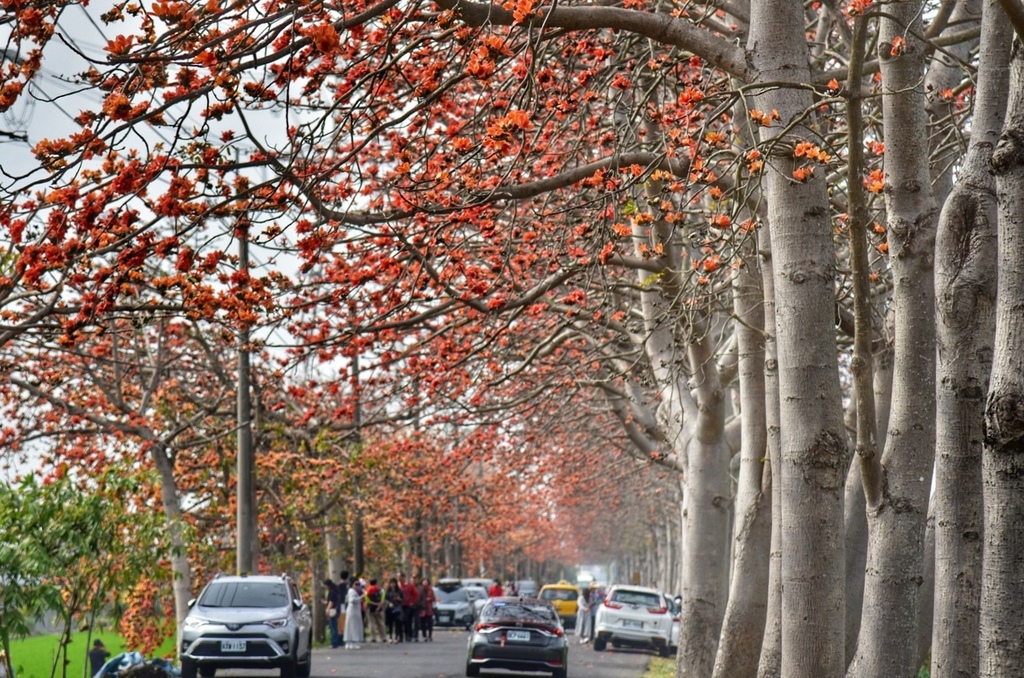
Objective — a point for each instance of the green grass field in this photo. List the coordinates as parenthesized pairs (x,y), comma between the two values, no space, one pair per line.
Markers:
(34,657)
(661,668)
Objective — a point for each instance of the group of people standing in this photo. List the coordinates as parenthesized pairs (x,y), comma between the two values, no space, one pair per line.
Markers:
(400,612)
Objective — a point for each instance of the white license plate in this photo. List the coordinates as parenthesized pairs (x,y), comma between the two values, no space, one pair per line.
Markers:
(443,618)
(232,646)
(632,624)
(519,636)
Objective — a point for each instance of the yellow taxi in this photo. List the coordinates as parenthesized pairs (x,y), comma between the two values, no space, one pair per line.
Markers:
(563,596)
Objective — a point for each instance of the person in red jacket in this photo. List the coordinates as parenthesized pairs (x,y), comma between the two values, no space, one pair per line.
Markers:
(426,615)
(496,591)
(410,603)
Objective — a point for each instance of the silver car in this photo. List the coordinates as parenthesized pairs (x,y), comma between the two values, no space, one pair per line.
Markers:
(247,622)
(453,608)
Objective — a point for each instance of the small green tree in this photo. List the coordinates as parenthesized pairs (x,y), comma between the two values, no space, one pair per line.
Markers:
(69,547)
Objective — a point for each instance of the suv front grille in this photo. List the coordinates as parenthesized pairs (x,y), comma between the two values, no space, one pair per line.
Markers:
(254,648)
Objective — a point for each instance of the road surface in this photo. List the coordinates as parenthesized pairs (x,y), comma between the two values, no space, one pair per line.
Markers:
(445,657)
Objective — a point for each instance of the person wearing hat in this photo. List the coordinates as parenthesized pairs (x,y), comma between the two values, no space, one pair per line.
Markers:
(98,656)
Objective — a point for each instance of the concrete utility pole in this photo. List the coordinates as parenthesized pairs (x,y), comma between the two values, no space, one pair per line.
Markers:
(246,468)
(358,556)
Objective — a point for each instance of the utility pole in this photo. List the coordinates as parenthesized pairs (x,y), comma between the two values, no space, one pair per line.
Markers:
(358,562)
(246,467)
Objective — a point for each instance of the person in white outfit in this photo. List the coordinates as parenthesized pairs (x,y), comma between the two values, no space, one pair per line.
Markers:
(354,616)
(584,622)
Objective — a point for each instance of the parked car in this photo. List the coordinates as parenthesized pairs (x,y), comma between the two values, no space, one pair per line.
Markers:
(527,588)
(478,597)
(453,607)
(484,582)
(675,606)
(449,583)
(634,616)
(247,622)
(518,634)
(563,596)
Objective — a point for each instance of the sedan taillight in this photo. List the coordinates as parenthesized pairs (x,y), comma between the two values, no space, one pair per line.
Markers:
(486,627)
(657,610)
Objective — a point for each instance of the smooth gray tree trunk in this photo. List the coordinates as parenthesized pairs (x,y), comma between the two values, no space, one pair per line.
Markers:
(897,498)
(705,525)
(814,455)
(1002,589)
(965,285)
(181,583)
(739,645)
(769,663)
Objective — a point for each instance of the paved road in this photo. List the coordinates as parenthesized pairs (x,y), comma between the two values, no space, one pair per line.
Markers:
(445,657)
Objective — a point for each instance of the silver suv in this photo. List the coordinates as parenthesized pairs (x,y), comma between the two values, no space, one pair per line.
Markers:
(252,622)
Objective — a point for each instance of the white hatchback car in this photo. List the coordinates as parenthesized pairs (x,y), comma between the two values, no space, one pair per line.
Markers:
(636,616)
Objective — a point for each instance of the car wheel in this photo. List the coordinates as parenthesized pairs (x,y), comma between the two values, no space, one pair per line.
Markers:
(560,673)
(472,670)
(288,669)
(665,651)
(207,671)
(599,644)
(305,668)
(188,668)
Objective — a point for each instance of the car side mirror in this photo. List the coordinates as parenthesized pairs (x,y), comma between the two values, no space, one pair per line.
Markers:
(297,604)
(190,603)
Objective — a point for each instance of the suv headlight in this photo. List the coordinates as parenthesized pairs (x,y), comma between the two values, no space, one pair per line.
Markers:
(194,623)
(277,623)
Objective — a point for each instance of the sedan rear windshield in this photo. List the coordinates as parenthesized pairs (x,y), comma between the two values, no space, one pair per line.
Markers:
(245,594)
(456,596)
(641,598)
(501,611)
(558,594)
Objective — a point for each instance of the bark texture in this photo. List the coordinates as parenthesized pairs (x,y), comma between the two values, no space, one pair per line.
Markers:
(1002,592)
(739,644)
(770,662)
(897,498)
(965,284)
(813,464)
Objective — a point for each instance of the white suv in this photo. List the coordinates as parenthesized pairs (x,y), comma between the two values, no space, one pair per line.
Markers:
(251,622)
(635,616)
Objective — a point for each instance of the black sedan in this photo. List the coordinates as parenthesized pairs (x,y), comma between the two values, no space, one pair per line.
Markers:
(518,634)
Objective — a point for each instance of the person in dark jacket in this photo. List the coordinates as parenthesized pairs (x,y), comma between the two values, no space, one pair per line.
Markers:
(393,611)
(335,604)
(98,656)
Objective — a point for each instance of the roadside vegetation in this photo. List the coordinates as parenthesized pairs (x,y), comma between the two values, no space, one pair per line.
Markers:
(34,657)
(661,667)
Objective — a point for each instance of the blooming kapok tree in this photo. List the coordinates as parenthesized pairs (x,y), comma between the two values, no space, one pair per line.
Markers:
(500,195)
